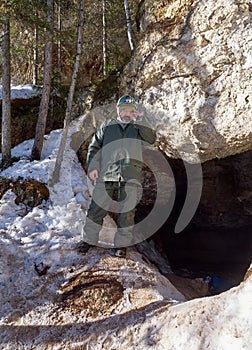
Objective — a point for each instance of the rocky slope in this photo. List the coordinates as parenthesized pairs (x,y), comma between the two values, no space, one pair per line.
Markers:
(192,71)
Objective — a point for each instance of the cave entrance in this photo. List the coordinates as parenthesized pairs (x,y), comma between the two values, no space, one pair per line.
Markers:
(218,240)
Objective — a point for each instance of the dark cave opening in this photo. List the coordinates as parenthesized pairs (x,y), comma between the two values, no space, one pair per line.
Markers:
(218,240)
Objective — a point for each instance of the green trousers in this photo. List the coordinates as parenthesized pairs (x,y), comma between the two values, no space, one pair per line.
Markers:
(123,199)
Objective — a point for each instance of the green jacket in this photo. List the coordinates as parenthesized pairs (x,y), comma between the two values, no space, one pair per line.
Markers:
(116,151)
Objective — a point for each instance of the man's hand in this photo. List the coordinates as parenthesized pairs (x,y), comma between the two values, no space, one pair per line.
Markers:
(93,175)
(137,115)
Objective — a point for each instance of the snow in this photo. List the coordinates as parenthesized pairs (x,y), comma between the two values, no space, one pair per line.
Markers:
(23,91)
(39,258)
(70,216)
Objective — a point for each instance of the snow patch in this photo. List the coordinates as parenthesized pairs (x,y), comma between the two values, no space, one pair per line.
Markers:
(23,91)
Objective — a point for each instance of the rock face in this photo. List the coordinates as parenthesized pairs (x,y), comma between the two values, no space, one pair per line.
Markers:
(192,71)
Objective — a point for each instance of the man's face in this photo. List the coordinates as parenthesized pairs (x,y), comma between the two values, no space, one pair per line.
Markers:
(128,113)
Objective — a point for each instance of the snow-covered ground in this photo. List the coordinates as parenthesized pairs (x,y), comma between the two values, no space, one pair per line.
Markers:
(47,216)
(108,302)
(23,91)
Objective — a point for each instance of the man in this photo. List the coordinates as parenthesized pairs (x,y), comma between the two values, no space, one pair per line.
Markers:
(114,165)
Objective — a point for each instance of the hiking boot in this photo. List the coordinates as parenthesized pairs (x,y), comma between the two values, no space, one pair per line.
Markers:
(83,247)
(119,252)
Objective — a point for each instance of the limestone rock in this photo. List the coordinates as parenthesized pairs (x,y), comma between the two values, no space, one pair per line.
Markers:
(192,71)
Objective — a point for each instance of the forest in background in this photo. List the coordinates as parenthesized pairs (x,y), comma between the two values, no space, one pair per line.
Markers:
(60,43)
(27,39)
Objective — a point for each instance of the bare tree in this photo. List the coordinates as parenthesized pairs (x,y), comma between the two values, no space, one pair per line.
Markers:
(35,51)
(6,92)
(56,172)
(104,37)
(129,25)
(44,103)
(59,28)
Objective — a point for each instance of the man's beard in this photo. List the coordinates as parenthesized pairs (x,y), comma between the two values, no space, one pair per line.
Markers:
(126,119)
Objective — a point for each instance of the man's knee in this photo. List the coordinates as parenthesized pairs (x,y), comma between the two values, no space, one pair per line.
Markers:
(126,219)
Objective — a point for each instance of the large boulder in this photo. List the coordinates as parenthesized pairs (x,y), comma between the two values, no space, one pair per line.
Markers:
(192,71)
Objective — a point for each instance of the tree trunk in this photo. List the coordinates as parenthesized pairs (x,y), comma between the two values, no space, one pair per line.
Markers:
(35,52)
(59,24)
(129,26)
(104,38)
(6,93)
(44,103)
(56,172)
